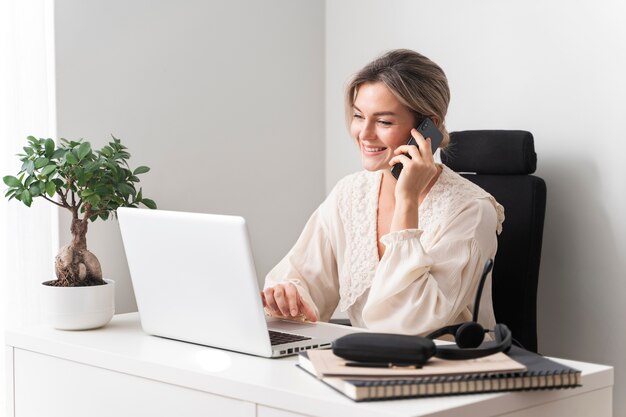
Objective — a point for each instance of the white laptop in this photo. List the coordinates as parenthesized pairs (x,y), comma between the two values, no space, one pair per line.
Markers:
(194,280)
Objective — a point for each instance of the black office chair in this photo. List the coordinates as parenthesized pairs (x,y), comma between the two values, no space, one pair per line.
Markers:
(501,161)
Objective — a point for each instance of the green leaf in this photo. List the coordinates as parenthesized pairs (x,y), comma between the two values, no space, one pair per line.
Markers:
(26,198)
(49,145)
(126,189)
(122,155)
(103,189)
(58,153)
(83,150)
(48,169)
(28,166)
(71,158)
(50,189)
(92,166)
(34,190)
(29,180)
(114,170)
(141,170)
(126,173)
(32,140)
(107,151)
(93,199)
(41,162)
(149,203)
(11,181)
(80,176)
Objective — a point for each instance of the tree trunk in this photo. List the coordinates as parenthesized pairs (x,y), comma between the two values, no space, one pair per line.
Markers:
(74,265)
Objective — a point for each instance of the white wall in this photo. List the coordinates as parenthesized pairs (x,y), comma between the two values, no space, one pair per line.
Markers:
(222,99)
(556,69)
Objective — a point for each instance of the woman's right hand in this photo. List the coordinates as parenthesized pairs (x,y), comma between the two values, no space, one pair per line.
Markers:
(283,300)
(417,171)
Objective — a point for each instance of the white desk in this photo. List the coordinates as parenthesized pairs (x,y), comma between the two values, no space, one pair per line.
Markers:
(120,371)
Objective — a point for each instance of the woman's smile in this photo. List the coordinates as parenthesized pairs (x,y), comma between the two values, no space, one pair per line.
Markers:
(369,150)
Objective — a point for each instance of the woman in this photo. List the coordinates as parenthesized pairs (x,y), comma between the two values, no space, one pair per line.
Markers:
(402,256)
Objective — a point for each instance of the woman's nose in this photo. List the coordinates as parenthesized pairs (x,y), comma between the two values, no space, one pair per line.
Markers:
(367,131)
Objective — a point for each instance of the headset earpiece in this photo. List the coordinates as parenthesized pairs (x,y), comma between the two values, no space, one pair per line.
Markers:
(469,335)
(502,343)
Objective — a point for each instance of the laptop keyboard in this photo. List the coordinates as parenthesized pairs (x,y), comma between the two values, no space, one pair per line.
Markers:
(278,338)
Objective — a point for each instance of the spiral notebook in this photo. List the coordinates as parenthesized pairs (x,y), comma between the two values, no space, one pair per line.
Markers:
(325,363)
(541,373)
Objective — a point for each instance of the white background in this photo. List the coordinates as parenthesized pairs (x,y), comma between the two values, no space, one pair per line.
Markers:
(237,107)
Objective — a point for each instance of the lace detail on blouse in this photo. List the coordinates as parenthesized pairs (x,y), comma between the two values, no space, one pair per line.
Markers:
(358,206)
(449,195)
(357,199)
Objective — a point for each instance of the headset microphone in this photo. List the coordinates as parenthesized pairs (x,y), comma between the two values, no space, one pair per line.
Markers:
(468,336)
(479,292)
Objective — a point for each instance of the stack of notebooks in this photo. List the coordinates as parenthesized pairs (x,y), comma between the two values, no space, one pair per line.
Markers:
(518,370)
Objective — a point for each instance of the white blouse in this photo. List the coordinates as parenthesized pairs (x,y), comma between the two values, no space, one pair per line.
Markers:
(427,277)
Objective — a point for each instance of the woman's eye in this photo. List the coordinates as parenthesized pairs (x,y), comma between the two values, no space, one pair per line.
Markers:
(357,116)
(385,122)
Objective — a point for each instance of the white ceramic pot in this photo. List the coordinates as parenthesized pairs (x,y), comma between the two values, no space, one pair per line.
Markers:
(78,308)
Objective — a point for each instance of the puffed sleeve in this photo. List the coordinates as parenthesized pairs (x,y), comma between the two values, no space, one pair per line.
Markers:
(415,291)
(311,266)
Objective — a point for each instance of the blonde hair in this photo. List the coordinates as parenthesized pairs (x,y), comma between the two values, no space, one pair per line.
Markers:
(416,81)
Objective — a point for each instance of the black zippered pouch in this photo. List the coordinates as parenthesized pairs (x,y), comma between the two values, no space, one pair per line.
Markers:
(384,348)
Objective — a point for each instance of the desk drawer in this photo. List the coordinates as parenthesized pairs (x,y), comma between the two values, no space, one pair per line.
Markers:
(49,386)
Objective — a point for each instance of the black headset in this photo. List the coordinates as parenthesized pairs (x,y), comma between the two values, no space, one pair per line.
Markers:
(386,348)
(469,336)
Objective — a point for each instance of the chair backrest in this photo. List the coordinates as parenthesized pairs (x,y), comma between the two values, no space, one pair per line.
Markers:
(501,161)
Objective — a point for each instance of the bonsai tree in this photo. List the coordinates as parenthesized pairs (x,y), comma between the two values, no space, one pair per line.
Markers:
(88,183)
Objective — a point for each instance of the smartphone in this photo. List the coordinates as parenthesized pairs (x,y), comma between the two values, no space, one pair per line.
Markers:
(428,129)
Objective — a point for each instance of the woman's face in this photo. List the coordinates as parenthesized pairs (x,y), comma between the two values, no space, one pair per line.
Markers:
(380,123)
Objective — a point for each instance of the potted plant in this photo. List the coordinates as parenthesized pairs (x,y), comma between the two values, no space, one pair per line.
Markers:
(91,184)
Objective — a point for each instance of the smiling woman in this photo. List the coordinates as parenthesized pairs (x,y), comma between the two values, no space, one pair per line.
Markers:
(400,256)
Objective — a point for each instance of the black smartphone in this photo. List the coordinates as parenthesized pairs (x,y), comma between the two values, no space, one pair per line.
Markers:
(428,129)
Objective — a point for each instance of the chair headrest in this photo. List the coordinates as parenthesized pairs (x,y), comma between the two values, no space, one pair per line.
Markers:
(509,152)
